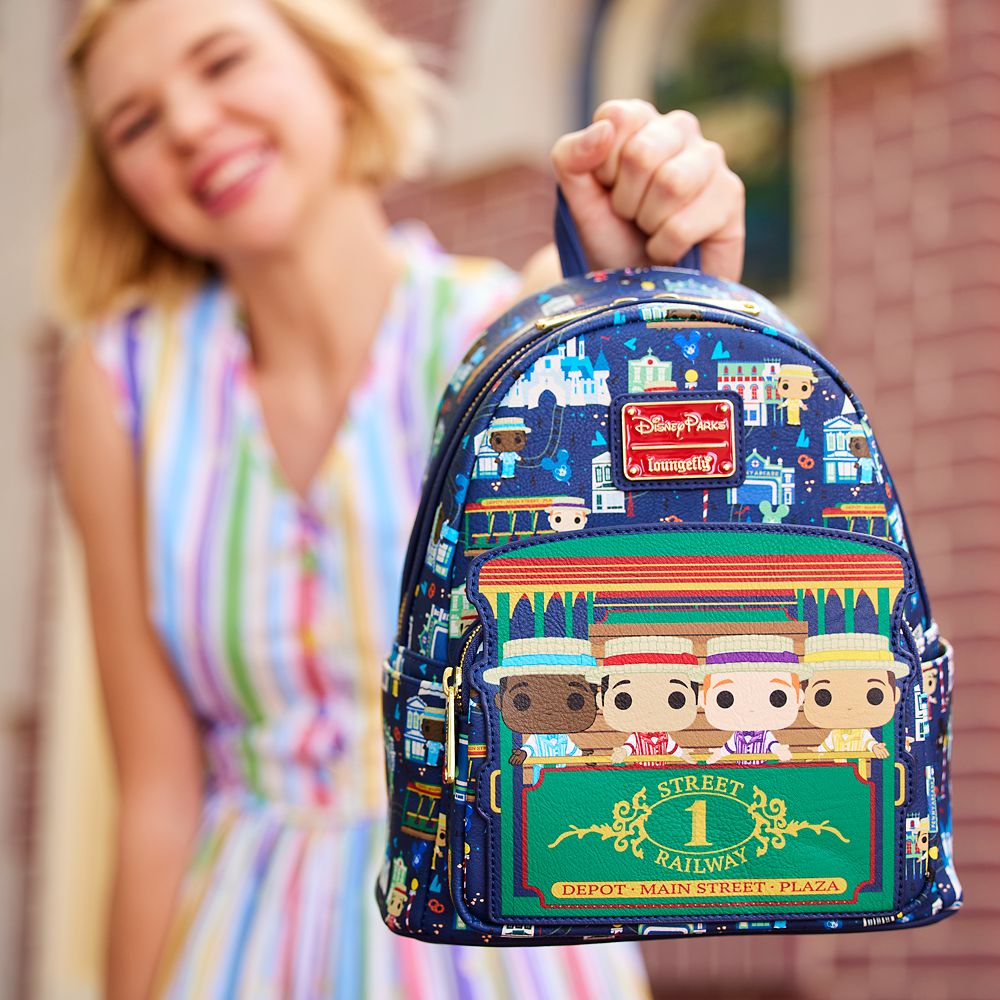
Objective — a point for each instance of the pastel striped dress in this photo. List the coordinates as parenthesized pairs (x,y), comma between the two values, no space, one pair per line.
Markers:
(276,611)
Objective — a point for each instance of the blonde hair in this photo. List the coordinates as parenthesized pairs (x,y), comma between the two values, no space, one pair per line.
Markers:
(104,256)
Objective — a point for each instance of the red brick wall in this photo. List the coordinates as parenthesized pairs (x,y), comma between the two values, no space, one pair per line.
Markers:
(505,214)
(902,239)
(899,251)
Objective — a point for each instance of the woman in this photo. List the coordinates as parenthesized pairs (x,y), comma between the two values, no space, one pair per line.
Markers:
(242,430)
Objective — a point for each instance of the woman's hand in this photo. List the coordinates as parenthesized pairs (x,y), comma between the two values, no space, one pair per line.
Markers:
(644,188)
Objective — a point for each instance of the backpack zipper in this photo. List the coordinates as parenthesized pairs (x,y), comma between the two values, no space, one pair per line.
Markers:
(451,681)
(693,310)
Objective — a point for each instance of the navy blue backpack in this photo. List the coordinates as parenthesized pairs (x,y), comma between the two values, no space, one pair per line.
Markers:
(665,662)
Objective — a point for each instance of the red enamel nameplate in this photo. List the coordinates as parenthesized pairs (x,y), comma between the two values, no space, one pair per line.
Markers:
(678,439)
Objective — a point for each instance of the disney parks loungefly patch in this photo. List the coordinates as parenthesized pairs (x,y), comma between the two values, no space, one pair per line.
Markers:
(688,721)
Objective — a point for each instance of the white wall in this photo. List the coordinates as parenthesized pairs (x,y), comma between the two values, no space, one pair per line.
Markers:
(514,83)
(823,35)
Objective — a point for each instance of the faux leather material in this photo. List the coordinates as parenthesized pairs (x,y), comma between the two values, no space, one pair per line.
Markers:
(756,567)
(526,456)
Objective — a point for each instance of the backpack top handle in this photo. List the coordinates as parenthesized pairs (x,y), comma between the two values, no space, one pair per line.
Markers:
(571,255)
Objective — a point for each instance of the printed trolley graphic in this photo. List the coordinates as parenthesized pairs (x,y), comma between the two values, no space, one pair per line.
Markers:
(693,720)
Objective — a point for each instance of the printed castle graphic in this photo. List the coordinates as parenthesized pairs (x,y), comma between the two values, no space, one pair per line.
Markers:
(571,377)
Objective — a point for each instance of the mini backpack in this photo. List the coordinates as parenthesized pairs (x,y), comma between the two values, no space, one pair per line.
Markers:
(665,662)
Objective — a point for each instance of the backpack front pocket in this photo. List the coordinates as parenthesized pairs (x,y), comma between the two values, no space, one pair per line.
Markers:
(694,722)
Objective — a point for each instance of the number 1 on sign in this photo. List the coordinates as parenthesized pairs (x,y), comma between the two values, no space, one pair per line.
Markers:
(698,809)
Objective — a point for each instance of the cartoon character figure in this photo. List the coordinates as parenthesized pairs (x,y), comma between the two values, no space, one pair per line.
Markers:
(929,673)
(919,851)
(440,842)
(751,688)
(857,443)
(646,691)
(851,690)
(795,384)
(544,695)
(396,897)
(508,436)
(567,514)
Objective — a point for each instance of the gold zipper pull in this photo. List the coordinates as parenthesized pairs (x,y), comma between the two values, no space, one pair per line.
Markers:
(561,319)
(447,682)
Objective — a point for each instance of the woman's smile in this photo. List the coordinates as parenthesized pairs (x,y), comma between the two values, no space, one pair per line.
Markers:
(231,177)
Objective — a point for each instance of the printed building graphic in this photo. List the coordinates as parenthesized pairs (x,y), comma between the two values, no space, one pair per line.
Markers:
(839,462)
(427,704)
(486,466)
(605,497)
(571,377)
(434,635)
(765,480)
(757,384)
(649,373)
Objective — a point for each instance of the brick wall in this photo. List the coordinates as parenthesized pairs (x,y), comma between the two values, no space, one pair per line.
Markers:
(902,244)
(899,253)
(505,214)
(899,256)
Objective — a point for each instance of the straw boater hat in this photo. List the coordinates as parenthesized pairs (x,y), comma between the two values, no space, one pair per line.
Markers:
(659,654)
(546,655)
(727,654)
(797,371)
(573,503)
(851,651)
(509,424)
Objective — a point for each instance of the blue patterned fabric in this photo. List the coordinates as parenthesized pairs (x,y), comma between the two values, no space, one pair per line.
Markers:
(550,378)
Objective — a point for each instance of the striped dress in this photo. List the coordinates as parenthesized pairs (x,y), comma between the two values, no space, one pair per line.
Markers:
(276,611)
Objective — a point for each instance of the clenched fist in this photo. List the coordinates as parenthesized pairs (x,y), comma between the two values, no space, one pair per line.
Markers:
(643,188)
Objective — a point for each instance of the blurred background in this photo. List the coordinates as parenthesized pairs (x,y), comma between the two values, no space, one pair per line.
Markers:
(868,134)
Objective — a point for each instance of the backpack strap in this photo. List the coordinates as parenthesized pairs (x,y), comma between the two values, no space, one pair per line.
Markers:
(571,254)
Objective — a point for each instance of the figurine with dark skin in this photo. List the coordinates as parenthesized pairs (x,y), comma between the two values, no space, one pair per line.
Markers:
(508,437)
(857,442)
(544,695)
